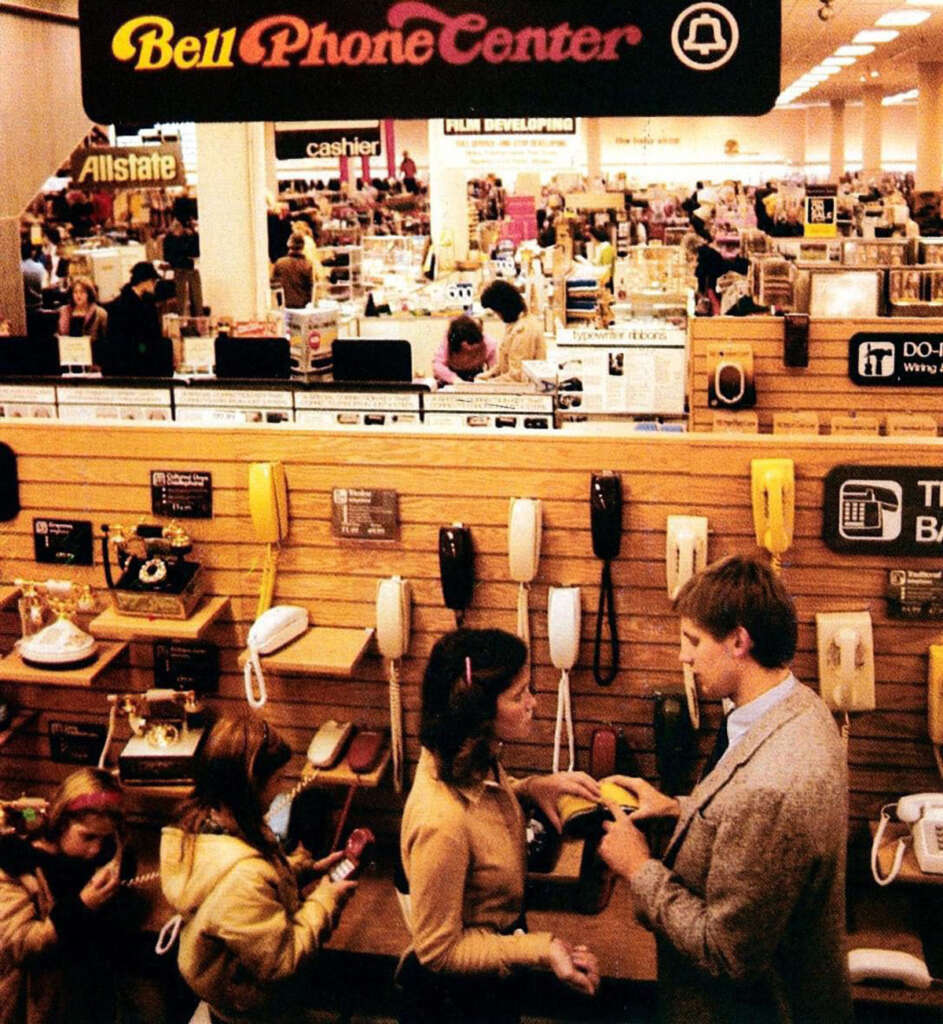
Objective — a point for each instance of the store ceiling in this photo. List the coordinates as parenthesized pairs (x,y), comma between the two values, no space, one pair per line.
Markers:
(807,40)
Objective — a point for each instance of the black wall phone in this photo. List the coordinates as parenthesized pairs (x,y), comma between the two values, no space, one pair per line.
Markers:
(456,567)
(605,512)
(9,484)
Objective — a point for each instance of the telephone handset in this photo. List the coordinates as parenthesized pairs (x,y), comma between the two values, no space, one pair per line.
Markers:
(564,619)
(271,631)
(935,698)
(773,489)
(525,523)
(268,507)
(923,812)
(605,520)
(358,845)
(328,743)
(685,555)
(456,567)
(394,611)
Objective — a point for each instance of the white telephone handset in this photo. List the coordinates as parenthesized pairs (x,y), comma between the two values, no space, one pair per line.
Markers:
(271,631)
(685,555)
(564,621)
(524,530)
(394,614)
(923,812)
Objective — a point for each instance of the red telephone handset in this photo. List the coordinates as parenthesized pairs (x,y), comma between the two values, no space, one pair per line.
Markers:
(358,844)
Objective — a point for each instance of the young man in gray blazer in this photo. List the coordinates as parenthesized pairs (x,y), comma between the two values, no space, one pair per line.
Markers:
(748,902)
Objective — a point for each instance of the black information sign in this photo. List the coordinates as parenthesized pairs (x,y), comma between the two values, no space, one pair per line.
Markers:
(283,60)
(915,593)
(328,143)
(896,360)
(186,665)
(887,510)
(364,513)
(182,494)
(62,541)
(76,742)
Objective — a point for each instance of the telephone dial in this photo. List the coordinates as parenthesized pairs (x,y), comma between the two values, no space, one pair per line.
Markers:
(156,579)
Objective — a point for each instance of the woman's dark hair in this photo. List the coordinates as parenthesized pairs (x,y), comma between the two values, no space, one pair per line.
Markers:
(238,757)
(505,300)
(463,330)
(468,670)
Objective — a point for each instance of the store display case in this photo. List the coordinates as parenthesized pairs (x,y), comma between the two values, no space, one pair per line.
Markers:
(878,252)
(343,265)
(386,256)
(839,292)
(915,292)
(774,282)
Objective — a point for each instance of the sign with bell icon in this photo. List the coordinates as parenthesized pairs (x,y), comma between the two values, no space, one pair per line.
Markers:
(298,60)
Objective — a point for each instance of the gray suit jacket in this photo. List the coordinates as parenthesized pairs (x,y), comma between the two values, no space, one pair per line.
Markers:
(748,905)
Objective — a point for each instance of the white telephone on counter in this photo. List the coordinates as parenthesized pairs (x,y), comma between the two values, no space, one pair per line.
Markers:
(394,615)
(923,812)
(271,631)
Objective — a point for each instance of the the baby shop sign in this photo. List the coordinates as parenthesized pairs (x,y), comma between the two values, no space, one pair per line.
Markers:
(239,60)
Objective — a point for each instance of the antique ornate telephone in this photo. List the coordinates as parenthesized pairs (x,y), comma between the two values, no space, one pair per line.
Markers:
(155,577)
(59,644)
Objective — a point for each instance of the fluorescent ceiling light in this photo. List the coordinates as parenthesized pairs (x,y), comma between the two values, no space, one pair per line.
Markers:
(902,18)
(925,3)
(824,69)
(876,35)
(838,62)
(856,51)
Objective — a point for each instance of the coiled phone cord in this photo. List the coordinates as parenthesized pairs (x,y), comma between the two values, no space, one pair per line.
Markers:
(253,669)
(523,623)
(899,850)
(109,735)
(396,726)
(564,715)
(776,564)
(606,609)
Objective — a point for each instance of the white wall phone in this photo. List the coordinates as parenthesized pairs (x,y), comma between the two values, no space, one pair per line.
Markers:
(846,660)
(271,631)
(924,813)
(564,621)
(394,614)
(525,522)
(685,555)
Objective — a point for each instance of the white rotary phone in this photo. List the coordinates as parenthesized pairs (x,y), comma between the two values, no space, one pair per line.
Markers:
(271,631)
(394,614)
(564,619)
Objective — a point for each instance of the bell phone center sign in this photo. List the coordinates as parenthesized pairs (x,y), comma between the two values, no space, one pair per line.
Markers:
(886,510)
(237,60)
(896,360)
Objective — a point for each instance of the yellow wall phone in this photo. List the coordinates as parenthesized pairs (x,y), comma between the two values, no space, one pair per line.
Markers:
(935,702)
(268,506)
(773,489)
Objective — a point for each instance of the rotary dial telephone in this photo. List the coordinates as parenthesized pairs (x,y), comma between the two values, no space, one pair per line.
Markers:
(59,643)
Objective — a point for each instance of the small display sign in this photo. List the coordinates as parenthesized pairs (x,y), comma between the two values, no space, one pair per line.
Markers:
(821,211)
(186,665)
(76,742)
(896,360)
(62,541)
(915,593)
(182,494)
(890,510)
(364,513)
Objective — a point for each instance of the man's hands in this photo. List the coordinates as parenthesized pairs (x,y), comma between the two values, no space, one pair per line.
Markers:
(101,886)
(623,847)
(575,966)
(544,790)
(651,803)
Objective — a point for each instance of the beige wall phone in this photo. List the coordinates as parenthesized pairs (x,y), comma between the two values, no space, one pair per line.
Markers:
(394,615)
(685,555)
(564,619)
(525,523)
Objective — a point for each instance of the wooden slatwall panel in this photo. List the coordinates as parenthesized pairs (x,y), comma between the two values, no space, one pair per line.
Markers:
(823,387)
(101,473)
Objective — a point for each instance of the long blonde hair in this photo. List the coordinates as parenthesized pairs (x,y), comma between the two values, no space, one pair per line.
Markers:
(86,791)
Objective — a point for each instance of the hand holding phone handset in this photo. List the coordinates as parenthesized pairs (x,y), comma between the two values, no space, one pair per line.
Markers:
(564,620)
(358,845)
(394,610)
(271,631)
(686,555)
(268,506)
(924,813)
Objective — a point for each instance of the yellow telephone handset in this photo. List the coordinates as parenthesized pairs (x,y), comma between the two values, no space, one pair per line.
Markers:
(268,501)
(773,489)
(935,695)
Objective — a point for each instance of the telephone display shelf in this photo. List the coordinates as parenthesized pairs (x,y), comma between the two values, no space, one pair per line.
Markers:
(112,624)
(321,651)
(909,870)
(342,775)
(19,721)
(14,670)
(8,595)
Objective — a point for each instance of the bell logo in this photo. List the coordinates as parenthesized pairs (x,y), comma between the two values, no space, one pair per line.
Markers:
(705,36)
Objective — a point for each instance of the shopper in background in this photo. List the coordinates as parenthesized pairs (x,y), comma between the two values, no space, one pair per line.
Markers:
(35,276)
(407,168)
(604,255)
(252,919)
(748,901)
(181,247)
(464,351)
(134,343)
(82,315)
(295,274)
(523,333)
(56,890)
(462,841)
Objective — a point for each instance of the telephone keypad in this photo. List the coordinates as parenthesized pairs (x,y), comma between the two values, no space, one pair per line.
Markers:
(343,869)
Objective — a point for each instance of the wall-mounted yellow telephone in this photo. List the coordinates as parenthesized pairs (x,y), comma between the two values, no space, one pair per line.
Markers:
(935,702)
(268,506)
(394,615)
(773,489)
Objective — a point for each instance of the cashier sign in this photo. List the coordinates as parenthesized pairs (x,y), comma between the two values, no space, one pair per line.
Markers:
(238,60)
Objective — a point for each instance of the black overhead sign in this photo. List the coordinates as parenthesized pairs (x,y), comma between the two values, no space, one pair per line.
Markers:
(323,143)
(238,60)
(896,360)
(884,510)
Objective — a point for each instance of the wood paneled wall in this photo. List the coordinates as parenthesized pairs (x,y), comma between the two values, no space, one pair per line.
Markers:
(823,387)
(102,474)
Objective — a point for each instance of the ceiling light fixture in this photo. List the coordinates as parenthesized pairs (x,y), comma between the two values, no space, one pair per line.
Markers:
(876,35)
(856,51)
(924,3)
(902,18)
(838,62)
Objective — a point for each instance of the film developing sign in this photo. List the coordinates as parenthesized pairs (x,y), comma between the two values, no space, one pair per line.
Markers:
(182,494)
(896,360)
(886,510)
(284,60)
(129,167)
(364,513)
